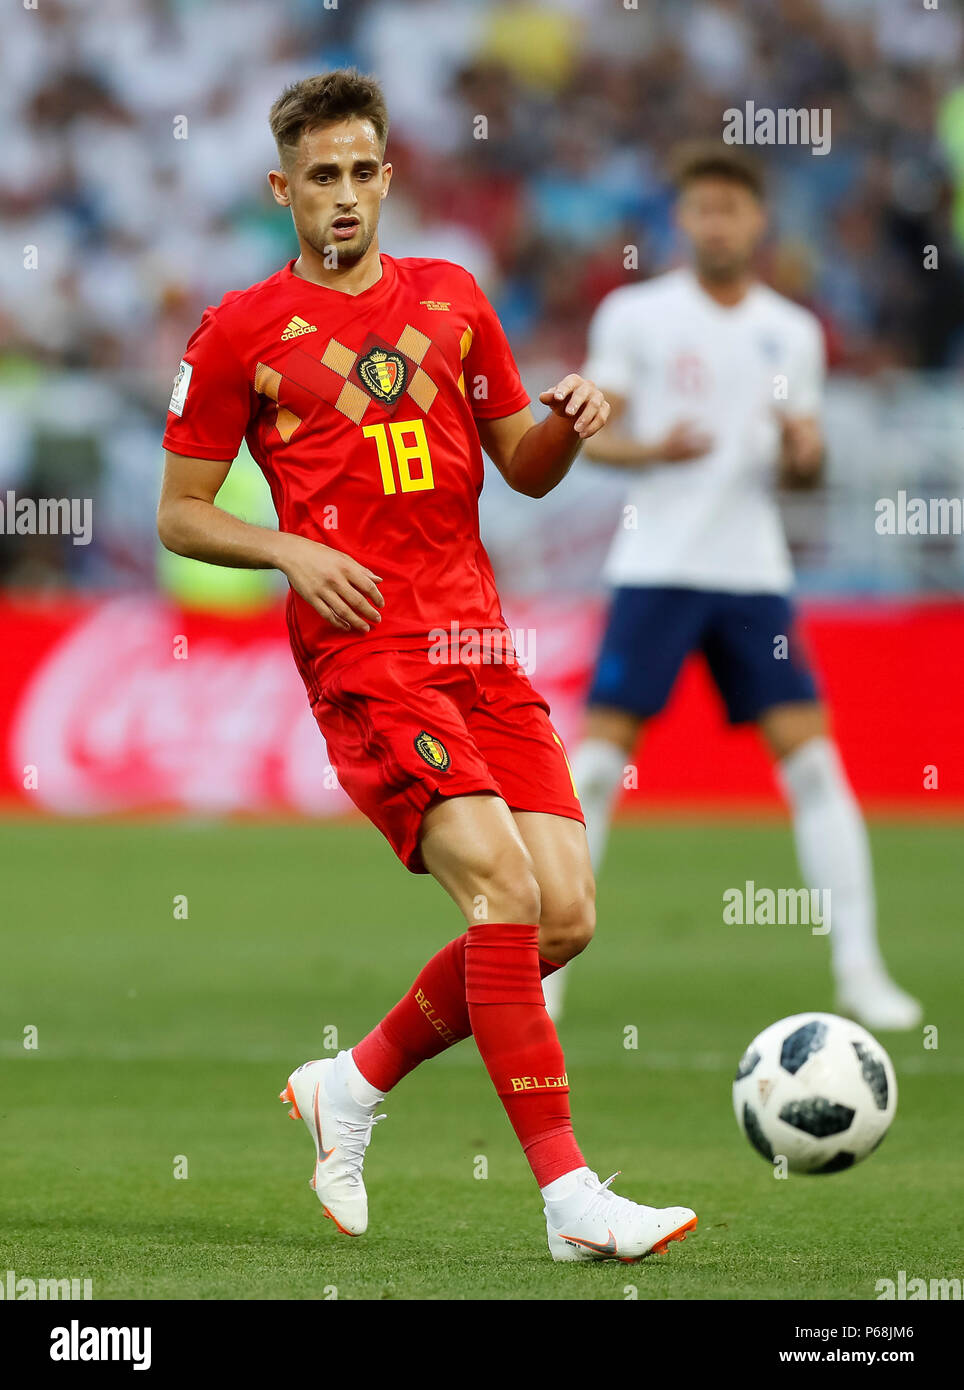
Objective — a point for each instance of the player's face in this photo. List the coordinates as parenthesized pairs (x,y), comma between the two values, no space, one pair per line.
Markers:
(723,222)
(335,188)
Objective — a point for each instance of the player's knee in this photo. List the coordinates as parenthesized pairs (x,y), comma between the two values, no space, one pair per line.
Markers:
(788,727)
(567,929)
(509,893)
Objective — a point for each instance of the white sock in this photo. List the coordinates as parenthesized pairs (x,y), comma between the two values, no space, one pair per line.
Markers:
(360,1090)
(559,1192)
(833,851)
(597,770)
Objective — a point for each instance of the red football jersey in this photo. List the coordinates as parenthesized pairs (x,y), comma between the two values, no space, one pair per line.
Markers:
(360,411)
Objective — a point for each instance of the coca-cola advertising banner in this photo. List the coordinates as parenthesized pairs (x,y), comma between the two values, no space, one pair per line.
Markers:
(132,704)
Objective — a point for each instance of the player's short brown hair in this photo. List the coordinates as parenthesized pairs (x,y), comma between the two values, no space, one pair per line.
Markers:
(341,95)
(709,160)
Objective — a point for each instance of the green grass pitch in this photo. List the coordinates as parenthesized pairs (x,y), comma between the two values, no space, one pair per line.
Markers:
(164,1039)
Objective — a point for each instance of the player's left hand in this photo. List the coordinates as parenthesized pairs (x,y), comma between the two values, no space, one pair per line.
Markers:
(580,402)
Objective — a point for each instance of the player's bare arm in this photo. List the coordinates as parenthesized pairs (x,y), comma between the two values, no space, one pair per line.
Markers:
(619,449)
(534,458)
(802,452)
(342,591)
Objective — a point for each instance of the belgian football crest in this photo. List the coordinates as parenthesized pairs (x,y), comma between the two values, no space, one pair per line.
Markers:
(384,373)
(432,751)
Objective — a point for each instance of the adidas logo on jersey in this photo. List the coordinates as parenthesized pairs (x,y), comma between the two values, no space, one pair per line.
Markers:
(296,327)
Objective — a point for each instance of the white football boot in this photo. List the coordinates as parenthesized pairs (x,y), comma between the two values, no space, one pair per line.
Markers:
(341,1129)
(873,999)
(600,1225)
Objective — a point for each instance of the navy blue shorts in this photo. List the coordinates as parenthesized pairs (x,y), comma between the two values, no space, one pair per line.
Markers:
(651,631)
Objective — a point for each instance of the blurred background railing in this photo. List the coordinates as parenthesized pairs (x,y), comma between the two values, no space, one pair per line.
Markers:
(94,434)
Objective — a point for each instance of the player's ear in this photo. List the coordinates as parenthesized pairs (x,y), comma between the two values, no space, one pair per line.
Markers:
(279,187)
(386,179)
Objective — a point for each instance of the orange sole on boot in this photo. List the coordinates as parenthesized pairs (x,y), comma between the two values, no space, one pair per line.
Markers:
(661,1245)
(288,1094)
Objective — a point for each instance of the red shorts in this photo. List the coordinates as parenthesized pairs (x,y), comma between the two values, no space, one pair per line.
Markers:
(402,730)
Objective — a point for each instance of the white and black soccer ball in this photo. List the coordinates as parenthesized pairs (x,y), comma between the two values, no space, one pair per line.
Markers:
(818,1090)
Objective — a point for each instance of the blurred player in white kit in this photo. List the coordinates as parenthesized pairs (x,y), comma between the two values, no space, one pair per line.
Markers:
(715,382)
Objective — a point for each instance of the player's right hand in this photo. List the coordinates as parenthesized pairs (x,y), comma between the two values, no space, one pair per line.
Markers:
(684,441)
(341,590)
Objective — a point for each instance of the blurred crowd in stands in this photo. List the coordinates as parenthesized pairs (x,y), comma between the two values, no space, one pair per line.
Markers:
(531,143)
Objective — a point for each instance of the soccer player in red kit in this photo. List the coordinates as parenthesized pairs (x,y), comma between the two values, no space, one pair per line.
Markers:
(364,387)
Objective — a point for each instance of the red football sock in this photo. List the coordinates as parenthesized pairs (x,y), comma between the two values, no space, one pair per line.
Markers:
(518,1044)
(430,1018)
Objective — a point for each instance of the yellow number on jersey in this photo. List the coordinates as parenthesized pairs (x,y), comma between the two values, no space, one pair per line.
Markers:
(410,446)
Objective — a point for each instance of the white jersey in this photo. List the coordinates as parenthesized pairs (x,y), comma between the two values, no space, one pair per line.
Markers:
(675,354)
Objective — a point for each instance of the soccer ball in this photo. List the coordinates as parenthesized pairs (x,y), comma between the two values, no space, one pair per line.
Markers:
(817,1090)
